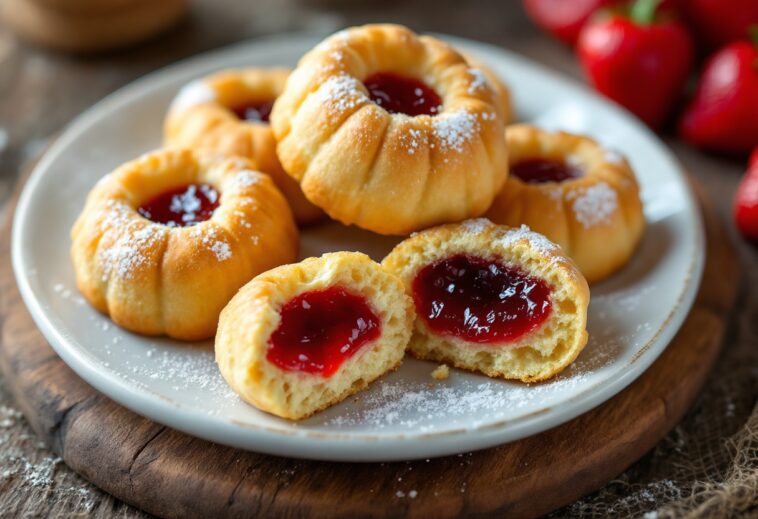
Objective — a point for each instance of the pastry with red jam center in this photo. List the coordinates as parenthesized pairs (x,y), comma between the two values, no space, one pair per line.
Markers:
(228,112)
(392,131)
(503,301)
(302,337)
(166,240)
(577,193)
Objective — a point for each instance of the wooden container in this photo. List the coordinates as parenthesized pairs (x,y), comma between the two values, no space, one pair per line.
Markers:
(90,25)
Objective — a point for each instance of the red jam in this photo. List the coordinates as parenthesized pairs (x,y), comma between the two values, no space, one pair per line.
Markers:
(536,171)
(257,112)
(480,300)
(183,206)
(321,329)
(402,95)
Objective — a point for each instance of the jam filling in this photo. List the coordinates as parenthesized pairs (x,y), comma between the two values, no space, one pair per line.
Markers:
(480,300)
(402,95)
(183,206)
(255,112)
(536,171)
(319,330)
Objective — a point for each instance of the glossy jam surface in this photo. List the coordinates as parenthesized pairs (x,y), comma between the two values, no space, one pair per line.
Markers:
(480,300)
(535,171)
(402,95)
(258,112)
(319,330)
(183,206)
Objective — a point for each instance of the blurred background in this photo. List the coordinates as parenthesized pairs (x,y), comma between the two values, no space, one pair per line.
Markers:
(58,57)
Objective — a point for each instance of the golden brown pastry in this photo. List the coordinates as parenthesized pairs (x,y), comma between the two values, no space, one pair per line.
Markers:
(484,74)
(228,112)
(578,194)
(302,337)
(391,131)
(167,239)
(503,301)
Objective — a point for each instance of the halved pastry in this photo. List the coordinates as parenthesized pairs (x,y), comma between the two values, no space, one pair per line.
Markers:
(503,301)
(167,239)
(302,337)
(391,131)
(578,194)
(228,112)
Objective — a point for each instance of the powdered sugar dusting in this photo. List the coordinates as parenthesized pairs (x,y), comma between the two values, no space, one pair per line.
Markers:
(400,403)
(246,178)
(454,129)
(136,237)
(476,225)
(413,139)
(535,240)
(341,93)
(594,205)
(209,236)
(184,372)
(193,93)
(479,82)
(613,156)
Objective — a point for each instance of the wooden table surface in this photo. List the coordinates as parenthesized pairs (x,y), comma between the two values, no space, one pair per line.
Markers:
(41,91)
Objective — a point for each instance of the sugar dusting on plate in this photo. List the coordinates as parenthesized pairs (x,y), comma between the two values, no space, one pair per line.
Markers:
(413,405)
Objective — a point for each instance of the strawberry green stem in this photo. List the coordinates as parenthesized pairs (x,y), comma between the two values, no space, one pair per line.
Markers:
(643,11)
(752,32)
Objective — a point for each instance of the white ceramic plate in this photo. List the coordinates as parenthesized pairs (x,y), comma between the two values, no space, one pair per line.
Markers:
(632,318)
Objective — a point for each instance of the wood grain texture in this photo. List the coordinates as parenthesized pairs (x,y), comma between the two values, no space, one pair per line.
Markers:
(171,474)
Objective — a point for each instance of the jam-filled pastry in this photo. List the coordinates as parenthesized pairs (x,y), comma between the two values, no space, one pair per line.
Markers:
(577,193)
(391,131)
(167,239)
(301,337)
(228,112)
(503,301)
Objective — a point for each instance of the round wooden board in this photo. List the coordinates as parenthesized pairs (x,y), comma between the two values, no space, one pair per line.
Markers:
(171,474)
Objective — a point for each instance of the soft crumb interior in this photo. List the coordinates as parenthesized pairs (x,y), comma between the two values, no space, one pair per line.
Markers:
(441,372)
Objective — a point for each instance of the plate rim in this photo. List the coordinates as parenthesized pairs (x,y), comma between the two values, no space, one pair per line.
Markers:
(332,445)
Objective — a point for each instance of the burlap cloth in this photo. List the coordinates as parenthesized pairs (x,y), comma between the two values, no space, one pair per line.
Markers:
(708,465)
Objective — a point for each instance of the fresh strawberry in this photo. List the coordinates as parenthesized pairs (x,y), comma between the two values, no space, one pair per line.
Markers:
(723,114)
(718,22)
(563,18)
(638,58)
(746,201)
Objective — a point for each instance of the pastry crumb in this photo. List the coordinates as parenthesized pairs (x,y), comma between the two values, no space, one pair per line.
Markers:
(441,372)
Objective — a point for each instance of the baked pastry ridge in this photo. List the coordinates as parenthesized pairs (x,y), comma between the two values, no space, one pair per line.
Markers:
(577,193)
(390,172)
(174,279)
(503,301)
(228,112)
(301,337)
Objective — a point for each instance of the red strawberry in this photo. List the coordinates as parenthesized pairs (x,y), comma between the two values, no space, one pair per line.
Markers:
(719,22)
(563,18)
(746,201)
(723,115)
(638,59)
